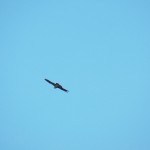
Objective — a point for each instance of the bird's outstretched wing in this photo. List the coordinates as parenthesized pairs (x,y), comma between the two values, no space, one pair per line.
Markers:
(63,89)
(50,82)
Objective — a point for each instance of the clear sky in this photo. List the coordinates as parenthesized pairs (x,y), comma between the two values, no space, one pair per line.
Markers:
(97,49)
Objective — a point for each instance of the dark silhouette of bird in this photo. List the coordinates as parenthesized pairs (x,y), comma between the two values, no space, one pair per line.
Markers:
(56,85)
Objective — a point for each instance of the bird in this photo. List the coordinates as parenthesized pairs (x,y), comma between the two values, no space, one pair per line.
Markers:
(56,85)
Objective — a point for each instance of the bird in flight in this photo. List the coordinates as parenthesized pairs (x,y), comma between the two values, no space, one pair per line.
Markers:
(56,85)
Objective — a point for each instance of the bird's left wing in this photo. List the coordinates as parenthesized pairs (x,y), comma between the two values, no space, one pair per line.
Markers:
(50,82)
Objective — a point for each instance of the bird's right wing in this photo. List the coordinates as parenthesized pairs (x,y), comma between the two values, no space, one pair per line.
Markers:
(63,89)
(50,82)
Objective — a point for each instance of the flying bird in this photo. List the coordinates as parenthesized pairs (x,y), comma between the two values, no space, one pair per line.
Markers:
(56,85)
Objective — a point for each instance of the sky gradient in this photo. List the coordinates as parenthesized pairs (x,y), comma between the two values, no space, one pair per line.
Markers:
(99,51)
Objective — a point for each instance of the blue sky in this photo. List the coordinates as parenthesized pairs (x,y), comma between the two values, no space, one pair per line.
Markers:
(99,51)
